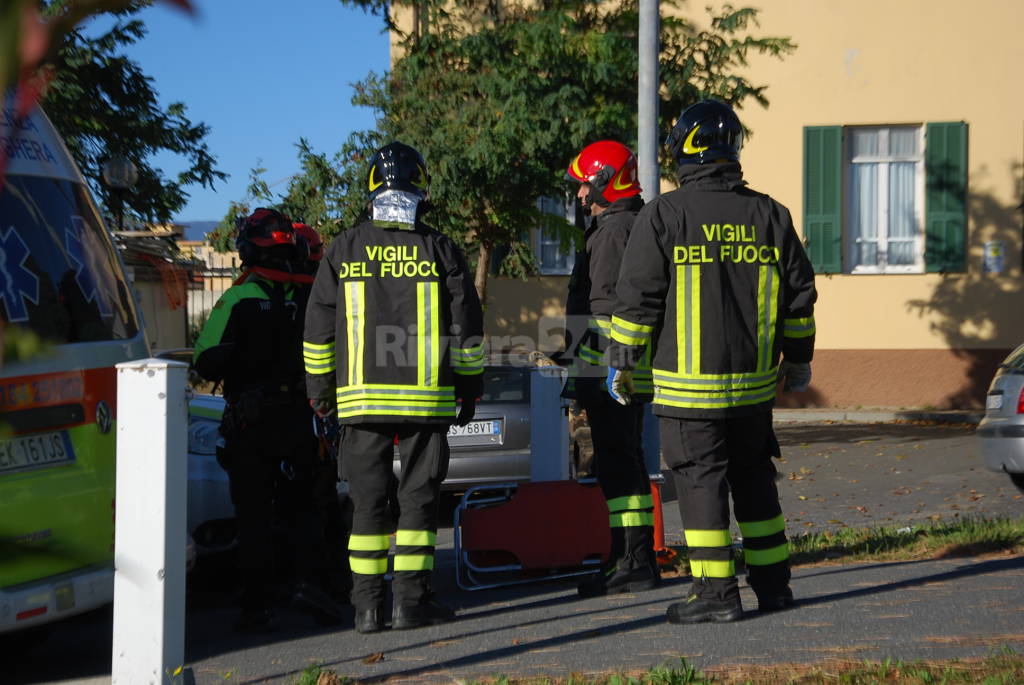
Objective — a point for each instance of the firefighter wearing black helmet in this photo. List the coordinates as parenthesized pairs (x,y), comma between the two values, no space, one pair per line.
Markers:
(609,191)
(252,343)
(393,339)
(715,278)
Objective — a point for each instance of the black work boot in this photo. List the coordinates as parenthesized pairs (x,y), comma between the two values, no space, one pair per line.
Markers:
(617,579)
(370,619)
(775,601)
(710,601)
(427,612)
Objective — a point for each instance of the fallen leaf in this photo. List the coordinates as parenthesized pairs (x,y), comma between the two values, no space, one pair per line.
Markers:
(374,658)
(800,497)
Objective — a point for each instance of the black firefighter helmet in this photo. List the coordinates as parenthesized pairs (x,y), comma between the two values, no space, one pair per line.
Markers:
(396,166)
(706,132)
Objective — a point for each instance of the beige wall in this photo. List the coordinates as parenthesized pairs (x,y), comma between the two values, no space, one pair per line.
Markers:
(911,61)
(165,327)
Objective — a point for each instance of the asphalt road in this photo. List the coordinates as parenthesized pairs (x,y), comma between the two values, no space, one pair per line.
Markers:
(831,475)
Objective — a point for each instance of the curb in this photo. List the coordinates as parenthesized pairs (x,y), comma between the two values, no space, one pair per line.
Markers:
(875,416)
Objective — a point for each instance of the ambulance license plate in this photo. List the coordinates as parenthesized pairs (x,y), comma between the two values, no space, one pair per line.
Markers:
(25,452)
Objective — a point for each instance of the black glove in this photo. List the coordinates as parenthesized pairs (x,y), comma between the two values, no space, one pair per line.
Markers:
(466,412)
(325,409)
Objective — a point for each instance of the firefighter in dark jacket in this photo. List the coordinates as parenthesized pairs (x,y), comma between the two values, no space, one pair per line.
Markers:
(609,192)
(252,342)
(394,336)
(715,277)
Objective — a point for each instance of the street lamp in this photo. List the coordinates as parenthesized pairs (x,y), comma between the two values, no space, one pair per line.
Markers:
(120,174)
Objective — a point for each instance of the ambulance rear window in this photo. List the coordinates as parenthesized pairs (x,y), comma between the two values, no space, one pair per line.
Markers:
(59,274)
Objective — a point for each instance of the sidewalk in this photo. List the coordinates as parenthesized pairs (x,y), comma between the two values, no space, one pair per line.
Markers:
(877,415)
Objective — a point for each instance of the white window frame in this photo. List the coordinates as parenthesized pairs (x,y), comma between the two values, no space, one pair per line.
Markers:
(849,202)
(538,240)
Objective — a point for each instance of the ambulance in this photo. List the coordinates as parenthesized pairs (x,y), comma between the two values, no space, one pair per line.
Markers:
(62,279)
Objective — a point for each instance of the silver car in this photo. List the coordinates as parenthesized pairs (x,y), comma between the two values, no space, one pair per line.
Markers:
(1001,432)
(495,446)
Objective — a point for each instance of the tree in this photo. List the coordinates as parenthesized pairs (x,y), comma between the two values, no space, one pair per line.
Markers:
(104,105)
(498,96)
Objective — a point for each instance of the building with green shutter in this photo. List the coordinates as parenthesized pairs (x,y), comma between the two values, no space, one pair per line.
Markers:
(895,135)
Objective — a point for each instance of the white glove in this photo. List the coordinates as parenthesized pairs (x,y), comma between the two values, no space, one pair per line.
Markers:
(797,375)
(620,385)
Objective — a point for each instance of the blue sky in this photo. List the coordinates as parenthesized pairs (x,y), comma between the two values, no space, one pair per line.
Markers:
(261,73)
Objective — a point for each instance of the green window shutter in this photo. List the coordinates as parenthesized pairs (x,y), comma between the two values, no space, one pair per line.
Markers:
(823,197)
(945,173)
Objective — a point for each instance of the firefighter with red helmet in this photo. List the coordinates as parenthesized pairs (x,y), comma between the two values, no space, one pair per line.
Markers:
(715,277)
(610,193)
(252,344)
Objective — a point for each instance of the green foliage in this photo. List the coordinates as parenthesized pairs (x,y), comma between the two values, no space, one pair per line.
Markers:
(19,344)
(500,96)
(105,105)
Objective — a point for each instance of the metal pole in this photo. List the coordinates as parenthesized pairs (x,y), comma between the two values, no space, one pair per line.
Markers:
(647,101)
(647,160)
(149,529)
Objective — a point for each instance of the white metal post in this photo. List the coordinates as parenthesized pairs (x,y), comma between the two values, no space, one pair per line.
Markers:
(149,527)
(549,425)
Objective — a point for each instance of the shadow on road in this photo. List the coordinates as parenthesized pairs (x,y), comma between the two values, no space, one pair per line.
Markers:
(838,433)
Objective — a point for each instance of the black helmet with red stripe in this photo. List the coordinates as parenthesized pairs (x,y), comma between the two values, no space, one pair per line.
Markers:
(266,237)
(610,169)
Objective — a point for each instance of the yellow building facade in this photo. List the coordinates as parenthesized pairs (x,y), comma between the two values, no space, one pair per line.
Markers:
(895,135)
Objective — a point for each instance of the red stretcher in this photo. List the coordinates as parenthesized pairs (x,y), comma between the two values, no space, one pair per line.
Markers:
(513,533)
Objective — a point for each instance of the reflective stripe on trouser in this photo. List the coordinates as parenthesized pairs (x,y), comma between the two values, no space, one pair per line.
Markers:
(367,466)
(620,469)
(710,460)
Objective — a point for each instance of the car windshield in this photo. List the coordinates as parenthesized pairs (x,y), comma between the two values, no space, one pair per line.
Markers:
(505,384)
(1015,361)
(59,273)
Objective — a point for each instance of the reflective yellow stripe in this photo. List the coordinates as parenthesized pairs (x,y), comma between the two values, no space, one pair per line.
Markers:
(707,538)
(414,562)
(767,314)
(320,368)
(428,337)
(368,567)
(702,568)
(590,355)
(688,318)
(626,339)
(696,399)
(630,326)
(601,326)
(715,381)
(765,557)
(630,519)
(383,410)
(468,371)
(310,347)
(355,328)
(402,392)
(415,538)
(468,353)
(368,543)
(630,502)
(760,529)
(799,327)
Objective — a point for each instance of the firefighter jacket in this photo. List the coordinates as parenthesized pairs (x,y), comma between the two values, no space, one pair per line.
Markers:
(592,295)
(252,341)
(715,275)
(394,327)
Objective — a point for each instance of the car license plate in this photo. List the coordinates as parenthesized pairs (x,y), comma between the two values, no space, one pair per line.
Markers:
(35,451)
(994,402)
(488,428)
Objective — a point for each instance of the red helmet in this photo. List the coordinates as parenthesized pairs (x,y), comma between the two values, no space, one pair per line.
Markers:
(265,234)
(314,243)
(610,168)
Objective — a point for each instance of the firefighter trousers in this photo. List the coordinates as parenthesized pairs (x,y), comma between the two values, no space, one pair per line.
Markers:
(368,451)
(710,460)
(617,434)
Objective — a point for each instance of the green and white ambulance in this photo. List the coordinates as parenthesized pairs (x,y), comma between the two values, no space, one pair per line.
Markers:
(60,277)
